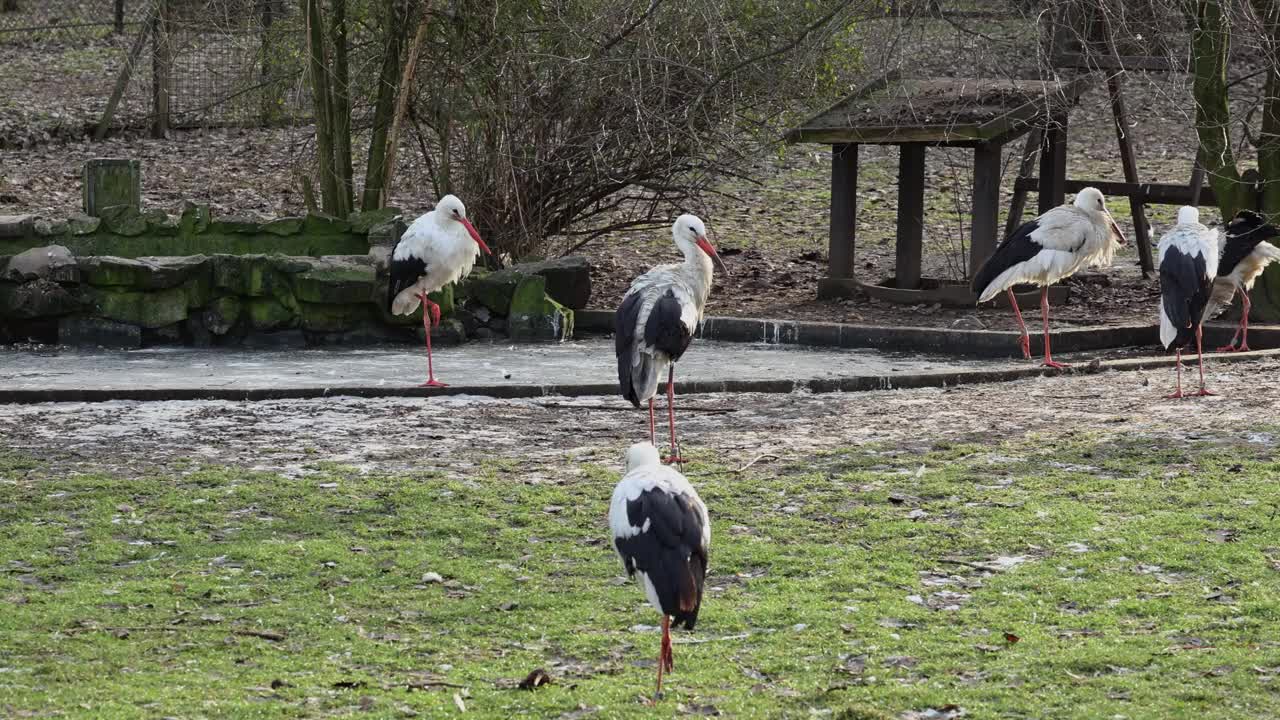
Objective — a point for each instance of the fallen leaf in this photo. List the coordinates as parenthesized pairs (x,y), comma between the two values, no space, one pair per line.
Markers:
(457,700)
(1011,638)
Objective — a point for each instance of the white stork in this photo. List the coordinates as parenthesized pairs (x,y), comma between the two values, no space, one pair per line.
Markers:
(1046,250)
(662,534)
(1245,255)
(657,318)
(1188,256)
(437,249)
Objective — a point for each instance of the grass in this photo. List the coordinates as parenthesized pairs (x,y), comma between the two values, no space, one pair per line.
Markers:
(1143,581)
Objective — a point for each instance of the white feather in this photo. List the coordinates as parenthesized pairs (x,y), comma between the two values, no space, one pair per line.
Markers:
(645,472)
(1192,240)
(447,249)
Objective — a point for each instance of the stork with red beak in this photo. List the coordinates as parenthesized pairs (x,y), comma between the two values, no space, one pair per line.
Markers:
(438,248)
(1051,247)
(658,316)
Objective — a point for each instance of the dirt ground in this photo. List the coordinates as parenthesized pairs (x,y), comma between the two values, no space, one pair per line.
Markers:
(546,438)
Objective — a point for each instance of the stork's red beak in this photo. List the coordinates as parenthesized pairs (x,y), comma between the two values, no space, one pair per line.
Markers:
(1114,227)
(711,251)
(475,235)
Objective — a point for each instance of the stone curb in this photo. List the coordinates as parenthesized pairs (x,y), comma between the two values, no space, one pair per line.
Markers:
(981,343)
(853,383)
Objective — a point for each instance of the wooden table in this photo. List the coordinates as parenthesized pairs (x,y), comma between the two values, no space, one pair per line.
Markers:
(915,114)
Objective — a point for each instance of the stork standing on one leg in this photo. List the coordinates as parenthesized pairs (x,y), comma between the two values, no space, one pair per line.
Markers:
(1245,255)
(1046,250)
(1188,263)
(662,534)
(438,248)
(655,323)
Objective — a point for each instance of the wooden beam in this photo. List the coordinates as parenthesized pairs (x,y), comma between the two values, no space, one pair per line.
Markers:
(1018,204)
(986,205)
(1137,208)
(910,245)
(844,211)
(1053,164)
(1151,193)
(126,71)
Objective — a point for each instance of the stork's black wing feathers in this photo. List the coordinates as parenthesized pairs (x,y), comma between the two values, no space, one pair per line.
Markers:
(404,273)
(624,331)
(664,330)
(669,552)
(1238,247)
(1184,291)
(1017,247)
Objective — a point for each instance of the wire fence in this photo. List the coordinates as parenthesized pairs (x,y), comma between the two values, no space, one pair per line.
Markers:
(224,62)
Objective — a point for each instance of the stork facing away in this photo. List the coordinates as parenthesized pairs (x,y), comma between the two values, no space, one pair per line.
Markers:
(1245,255)
(657,318)
(1046,250)
(438,248)
(662,534)
(1188,263)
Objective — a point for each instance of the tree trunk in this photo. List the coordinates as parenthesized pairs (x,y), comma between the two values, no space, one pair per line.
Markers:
(9,6)
(1210,43)
(402,101)
(341,108)
(1266,293)
(375,172)
(319,76)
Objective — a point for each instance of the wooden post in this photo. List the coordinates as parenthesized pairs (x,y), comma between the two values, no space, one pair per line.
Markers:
(111,181)
(844,211)
(910,243)
(1053,164)
(1136,206)
(1197,182)
(119,17)
(1018,204)
(986,204)
(122,80)
(161,70)
(9,6)
(270,90)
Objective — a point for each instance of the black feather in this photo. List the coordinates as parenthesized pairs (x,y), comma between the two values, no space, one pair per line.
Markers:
(1016,248)
(404,273)
(664,330)
(669,552)
(1184,291)
(624,330)
(1244,232)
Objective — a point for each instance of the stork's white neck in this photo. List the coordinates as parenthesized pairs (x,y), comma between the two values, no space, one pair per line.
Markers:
(697,266)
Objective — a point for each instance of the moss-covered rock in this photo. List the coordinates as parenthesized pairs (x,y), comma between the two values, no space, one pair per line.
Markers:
(324,225)
(123,220)
(221,314)
(146,273)
(362,221)
(256,275)
(160,223)
(235,226)
(283,226)
(194,218)
(38,298)
(50,228)
(51,262)
(329,317)
(333,280)
(269,313)
(145,309)
(492,290)
(81,224)
(535,316)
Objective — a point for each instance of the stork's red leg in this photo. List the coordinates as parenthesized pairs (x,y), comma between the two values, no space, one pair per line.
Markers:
(1244,322)
(1044,313)
(429,310)
(1232,346)
(662,652)
(653,438)
(1178,393)
(671,415)
(1025,341)
(1200,354)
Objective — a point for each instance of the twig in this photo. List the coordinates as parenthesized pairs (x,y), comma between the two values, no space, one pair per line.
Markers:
(700,641)
(966,563)
(757,459)
(417,684)
(264,634)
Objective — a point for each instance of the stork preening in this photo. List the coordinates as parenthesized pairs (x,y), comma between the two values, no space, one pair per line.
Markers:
(438,248)
(1246,253)
(1188,256)
(657,318)
(1046,250)
(662,534)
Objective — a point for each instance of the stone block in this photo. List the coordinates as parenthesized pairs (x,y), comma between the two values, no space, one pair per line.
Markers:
(146,309)
(145,273)
(283,226)
(81,224)
(91,331)
(329,318)
(269,313)
(52,262)
(39,298)
(256,275)
(17,227)
(193,218)
(568,282)
(332,280)
(363,221)
(492,290)
(111,182)
(535,316)
(221,315)
(123,220)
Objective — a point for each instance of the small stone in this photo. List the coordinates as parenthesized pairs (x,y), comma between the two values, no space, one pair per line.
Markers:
(123,220)
(432,577)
